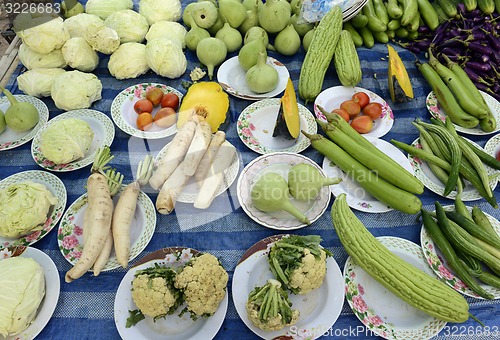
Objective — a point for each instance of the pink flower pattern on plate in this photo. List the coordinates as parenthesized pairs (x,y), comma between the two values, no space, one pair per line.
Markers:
(78,230)
(445,272)
(359,304)
(33,236)
(70,242)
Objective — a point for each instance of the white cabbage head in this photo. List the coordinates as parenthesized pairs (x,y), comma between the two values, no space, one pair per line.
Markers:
(75,90)
(102,38)
(31,59)
(79,55)
(38,81)
(76,25)
(130,25)
(166,58)
(156,10)
(103,8)
(169,30)
(23,287)
(45,37)
(128,61)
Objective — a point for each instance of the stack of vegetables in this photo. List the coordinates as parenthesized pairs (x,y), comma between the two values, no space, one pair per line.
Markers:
(374,171)
(469,243)
(452,158)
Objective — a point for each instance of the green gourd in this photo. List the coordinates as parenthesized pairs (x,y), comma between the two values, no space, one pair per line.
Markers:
(287,42)
(195,35)
(274,15)
(305,182)
(231,37)
(20,116)
(262,78)
(211,52)
(249,53)
(3,125)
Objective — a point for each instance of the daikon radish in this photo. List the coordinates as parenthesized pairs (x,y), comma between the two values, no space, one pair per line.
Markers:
(174,154)
(124,212)
(86,225)
(167,197)
(103,257)
(198,147)
(215,175)
(209,156)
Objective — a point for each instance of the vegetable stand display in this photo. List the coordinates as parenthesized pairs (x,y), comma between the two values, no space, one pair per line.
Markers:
(224,229)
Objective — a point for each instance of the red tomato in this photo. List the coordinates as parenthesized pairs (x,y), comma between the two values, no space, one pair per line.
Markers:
(170,100)
(351,107)
(361,98)
(144,121)
(342,113)
(154,95)
(373,110)
(143,105)
(165,117)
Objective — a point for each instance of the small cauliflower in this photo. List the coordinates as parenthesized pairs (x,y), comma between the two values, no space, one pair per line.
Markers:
(299,262)
(203,283)
(269,307)
(154,294)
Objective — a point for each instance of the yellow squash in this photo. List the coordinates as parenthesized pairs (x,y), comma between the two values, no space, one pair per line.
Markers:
(288,120)
(399,82)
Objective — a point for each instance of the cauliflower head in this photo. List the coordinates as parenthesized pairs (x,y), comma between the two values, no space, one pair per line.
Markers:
(154,294)
(203,282)
(299,262)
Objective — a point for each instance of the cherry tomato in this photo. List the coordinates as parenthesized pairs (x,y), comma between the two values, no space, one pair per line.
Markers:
(144,121)
(342,113)
(170,100)
(143,105)
(351,107)
(165,117)
(361,98)
(373,110)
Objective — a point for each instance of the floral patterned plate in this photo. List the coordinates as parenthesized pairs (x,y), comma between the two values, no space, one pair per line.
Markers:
(52,289)
(124,116)
(436,111)
(172,327)
(319,309)
(431,182)
(332,97)
(381,311)
(70,233)
(441,267)
(280,163)
(10,139)
(256,124)
(191,189)
(55,186)
(357,197)
(231,77)
(104,133)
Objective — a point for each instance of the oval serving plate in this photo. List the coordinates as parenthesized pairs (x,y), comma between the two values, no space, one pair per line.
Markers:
(56,187)
(124,116)
(104,133)
(442,269)
(431,182)
(52,290)
(436,111)
(171,327)
(70,233)
(231,77)
(319,309)
(357,197)
(380,310)
(332,97)
(256,123)
(279,162)
(10,139)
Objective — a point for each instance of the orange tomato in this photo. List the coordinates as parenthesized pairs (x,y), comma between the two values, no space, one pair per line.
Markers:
(154,95)
(361,98)
(362,124)
(165,117)
(342,113)
(170,100)
(351,107)
(373,110)
(144,121)
(143,105)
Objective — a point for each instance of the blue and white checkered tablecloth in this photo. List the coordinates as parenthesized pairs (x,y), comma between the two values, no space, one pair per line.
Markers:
(85,307)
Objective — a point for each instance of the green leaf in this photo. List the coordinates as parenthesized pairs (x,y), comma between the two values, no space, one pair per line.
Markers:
(134,317)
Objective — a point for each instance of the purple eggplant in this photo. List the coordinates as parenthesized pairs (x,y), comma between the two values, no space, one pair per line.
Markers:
(481,67)
(479,48)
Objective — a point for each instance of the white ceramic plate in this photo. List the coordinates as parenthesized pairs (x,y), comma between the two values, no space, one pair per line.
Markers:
(431,182)
(52,290)
(171,327)
(191,190)
(435,110)
(442,269)
(124,116)
(353,10)
(70,233)
(279,162)
(313,11)
(104,133)
(492,146)
(332,97)
(256,123)
(10,139)
(356,196)
(381,311)
(231,76)
(55,186)
(319,309)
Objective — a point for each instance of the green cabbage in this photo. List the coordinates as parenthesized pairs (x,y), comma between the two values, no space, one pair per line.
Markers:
(31,59)
(23,288)
(130,25)
(66,140)
(167,29)
(156,10)
(38,82)
(79,55)
(46,36)
(74,90)
(128,61)
(76,25)
(103,8)
(166,58)
(24,208)
(101,37)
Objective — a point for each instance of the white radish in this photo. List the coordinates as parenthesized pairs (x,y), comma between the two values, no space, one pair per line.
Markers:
(103,257)
(87,225)
(102,212)
(167,197)
(209,156)
(198,147)
(174,155)
(215,175)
